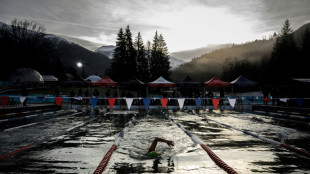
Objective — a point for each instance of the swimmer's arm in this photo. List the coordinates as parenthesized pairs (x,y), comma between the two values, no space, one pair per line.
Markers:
(170,143)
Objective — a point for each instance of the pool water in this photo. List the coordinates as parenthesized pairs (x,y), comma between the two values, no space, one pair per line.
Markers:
(82,149)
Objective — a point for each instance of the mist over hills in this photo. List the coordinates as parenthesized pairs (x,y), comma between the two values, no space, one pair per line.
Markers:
(92,46)
(188,55)
(211,64)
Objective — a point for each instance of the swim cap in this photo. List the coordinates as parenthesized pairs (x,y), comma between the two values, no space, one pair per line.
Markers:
(152,154)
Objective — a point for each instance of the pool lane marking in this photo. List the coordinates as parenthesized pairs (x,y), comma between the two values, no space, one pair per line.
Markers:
(35,123)
(16,113)
(220,163)
(30,116)
(104,162)
(14,152)
(280,113)
(286,146)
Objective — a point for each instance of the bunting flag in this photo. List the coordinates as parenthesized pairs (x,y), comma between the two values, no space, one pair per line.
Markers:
(146,102)
(283,100)
(22,99)
(215,102)
(58,100)
(232,102)
(299,101)
(111,102)
(94,101)
(78,98)
(4,100)
(198,102)
(164,102)
(181,102)
(129,102)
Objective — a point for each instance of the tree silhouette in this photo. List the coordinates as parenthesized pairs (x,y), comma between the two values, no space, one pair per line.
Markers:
(159,63)
(284,57)
(142,62)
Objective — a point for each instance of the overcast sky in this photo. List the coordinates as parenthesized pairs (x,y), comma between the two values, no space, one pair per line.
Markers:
(185,24)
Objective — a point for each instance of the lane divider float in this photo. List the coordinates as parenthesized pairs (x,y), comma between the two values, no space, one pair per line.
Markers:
(104,162)
(286,146)
(212,155)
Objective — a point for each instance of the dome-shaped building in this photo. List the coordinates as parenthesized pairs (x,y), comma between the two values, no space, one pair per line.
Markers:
(26,75)
(93,78)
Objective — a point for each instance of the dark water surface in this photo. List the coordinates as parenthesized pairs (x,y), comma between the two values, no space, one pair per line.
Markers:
(82,149)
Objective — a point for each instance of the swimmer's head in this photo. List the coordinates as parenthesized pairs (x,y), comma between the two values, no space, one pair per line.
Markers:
(152,154)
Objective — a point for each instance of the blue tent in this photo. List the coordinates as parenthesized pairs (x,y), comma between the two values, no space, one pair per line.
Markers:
(243,82)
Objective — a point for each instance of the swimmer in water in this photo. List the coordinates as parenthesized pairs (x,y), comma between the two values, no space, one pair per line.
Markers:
(151,152)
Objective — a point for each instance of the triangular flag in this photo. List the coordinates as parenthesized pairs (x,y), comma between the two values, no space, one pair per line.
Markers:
(22,99)
(78,98)
(215,102)
(164,102)
(129,102)
(146,102)
(198,102)
(181,102)
(94,101)
(4,100)
(58,100)
(232,102)
(111,102)
(299,101)
(283,100)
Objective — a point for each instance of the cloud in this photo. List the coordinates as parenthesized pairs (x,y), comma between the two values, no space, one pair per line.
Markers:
(185,24)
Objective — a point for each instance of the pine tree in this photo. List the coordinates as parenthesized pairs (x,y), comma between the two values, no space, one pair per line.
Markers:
(142,62)
(131,64)
(124,59)
(283,59)
(148,54)
(119,55)
(159,62)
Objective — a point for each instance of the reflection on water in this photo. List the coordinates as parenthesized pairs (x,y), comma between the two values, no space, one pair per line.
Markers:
(81,150)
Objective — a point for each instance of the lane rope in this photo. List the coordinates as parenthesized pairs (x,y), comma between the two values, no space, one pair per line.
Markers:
(220,163)
(286,146)
(104,162)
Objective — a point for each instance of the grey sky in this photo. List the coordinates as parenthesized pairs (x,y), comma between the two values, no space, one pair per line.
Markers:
(185,24)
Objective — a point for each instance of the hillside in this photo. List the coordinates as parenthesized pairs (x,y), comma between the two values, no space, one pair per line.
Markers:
(42,52)
(188,55)
(208,65)
(70,53)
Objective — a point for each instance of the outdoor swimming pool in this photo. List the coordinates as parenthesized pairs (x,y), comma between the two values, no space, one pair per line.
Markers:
(59,149)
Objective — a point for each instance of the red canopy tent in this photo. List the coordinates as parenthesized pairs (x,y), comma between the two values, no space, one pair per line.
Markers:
(161,82)
(216,82)
(105,81)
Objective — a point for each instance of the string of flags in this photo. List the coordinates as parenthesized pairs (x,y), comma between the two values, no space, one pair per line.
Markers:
(147,101)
